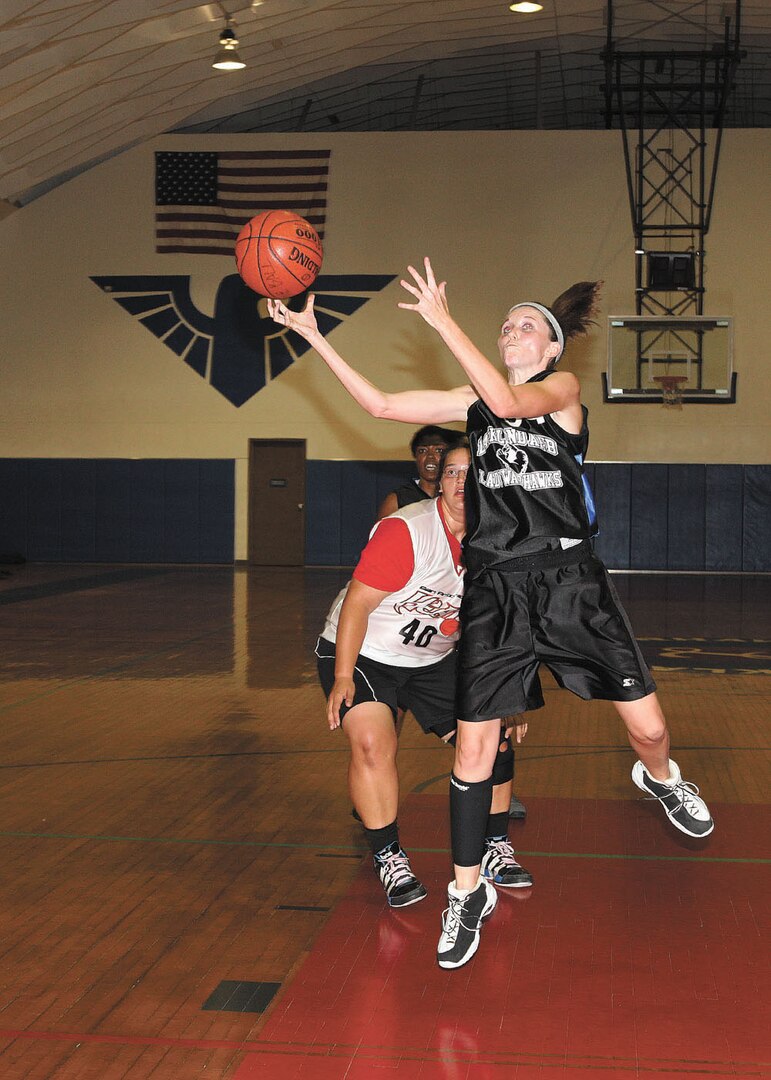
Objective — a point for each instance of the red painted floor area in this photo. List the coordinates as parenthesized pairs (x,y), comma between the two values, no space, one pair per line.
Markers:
(636,953)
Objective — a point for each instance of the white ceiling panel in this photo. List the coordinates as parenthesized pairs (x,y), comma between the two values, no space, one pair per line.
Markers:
(81,80)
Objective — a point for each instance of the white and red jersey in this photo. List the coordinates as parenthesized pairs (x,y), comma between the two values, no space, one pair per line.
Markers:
(412,555)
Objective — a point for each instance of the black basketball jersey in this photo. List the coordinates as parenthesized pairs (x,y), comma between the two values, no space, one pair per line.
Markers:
(410,493)
(529,484)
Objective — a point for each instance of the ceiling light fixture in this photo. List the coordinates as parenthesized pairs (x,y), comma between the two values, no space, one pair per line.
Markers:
(525,7)
(227,58)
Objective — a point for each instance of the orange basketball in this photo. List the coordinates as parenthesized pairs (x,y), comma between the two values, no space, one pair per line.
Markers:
(278,254)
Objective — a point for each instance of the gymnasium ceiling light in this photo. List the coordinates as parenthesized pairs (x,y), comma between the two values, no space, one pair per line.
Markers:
(525,7)
(227,58)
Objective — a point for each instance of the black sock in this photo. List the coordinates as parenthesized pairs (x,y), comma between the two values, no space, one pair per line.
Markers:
(382,838)
(469,811)
(498,824)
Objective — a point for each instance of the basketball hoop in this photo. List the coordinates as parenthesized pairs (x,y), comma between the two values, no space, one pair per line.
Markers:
(671,390)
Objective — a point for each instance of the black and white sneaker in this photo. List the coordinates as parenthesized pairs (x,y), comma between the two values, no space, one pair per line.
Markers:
(462,923)
(500,866)
(517,810)
(687,812)
(401,886)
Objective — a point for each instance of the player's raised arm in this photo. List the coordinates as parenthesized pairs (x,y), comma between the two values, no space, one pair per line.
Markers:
(410,406)
(498,393)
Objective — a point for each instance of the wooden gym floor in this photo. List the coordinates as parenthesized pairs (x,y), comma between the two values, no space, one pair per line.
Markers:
(184,894)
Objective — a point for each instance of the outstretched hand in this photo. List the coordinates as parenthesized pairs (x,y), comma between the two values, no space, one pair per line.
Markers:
(302,322)
(430,295)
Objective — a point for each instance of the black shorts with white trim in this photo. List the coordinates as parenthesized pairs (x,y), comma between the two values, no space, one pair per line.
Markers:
(566,615)
(428,691)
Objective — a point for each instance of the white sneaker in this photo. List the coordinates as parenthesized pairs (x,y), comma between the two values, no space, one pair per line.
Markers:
(462,923)
(685,809)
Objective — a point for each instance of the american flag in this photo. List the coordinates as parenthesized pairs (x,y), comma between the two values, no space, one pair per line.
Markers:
(202,199)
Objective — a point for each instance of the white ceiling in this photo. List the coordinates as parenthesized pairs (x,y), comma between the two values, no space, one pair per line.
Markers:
(81,80)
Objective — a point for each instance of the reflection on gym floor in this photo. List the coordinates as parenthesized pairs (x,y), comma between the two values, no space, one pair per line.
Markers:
(185,892)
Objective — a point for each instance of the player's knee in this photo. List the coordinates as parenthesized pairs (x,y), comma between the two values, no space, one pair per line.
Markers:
(474,754)
(371,750)
(652,736)
(503,767)
(644,720)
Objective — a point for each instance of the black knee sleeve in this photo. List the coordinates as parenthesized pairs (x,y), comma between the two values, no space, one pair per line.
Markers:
(469,810)
(503,768)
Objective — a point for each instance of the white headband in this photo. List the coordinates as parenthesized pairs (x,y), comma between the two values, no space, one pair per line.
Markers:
(551,320)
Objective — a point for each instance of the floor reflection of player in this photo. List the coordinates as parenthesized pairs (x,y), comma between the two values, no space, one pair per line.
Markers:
(535,591)
(388,643)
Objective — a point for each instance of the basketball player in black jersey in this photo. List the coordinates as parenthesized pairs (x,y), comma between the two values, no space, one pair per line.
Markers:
(535,592)
(427,446)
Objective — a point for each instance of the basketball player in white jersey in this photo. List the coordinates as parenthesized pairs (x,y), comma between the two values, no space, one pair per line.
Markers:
(389,642)
(428,445)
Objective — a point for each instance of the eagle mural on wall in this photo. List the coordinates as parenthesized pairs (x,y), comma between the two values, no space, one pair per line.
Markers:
(239,349)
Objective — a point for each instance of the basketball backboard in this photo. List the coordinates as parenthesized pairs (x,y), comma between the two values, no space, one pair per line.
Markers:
(648,353)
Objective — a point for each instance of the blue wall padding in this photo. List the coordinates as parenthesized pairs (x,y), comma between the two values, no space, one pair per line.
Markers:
(342,499)
(648,517)
(78,512)
(685,516)
(612,496)
(216,510)
(116,510)
(724,517)
(44,510)
(113,511)
(323,503)
(652,516)
(757,517)
(359,490)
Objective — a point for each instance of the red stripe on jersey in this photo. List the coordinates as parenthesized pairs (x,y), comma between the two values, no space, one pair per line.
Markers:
(455,549)
(388,560)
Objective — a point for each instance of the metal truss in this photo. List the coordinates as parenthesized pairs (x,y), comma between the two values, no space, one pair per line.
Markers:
(670,106)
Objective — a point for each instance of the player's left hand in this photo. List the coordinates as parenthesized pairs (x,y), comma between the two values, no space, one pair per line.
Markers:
(302,322)
(430,295)
(520,730)
(343,690)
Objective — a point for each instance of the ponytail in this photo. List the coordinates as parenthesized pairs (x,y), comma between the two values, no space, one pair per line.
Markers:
(575,308)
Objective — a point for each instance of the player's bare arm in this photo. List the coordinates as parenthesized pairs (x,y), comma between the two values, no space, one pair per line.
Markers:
(389,505)
(558,393)
(410,406)
(360,601)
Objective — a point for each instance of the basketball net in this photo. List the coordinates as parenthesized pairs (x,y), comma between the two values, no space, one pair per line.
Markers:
(671,390)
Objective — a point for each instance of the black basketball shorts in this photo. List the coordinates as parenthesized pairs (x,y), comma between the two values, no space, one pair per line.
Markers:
(567,617)
(428,692)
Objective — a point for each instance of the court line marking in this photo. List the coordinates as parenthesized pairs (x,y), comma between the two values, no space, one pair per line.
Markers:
(387,1052)
(356,852)
(581,750)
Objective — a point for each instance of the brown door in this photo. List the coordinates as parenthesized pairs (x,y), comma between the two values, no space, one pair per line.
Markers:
(277,502)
